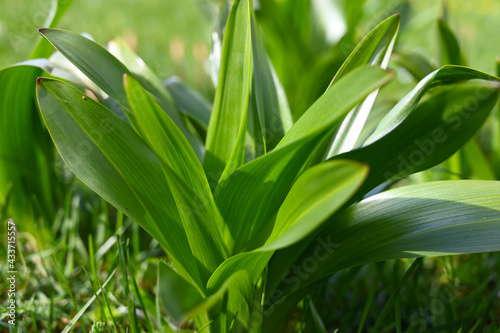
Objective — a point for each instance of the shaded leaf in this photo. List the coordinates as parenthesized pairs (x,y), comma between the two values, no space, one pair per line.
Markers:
(110,158)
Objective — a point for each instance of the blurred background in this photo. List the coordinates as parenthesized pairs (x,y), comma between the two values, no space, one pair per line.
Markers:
(174,36)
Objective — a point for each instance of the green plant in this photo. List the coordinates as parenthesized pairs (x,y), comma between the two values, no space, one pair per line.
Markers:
(274,208)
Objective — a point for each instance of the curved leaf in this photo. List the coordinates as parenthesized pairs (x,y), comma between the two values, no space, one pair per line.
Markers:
(110,158)
(427,136)
(107,72)
(430,219)
(443,76)
(184,173)
(315,195)
(374,49)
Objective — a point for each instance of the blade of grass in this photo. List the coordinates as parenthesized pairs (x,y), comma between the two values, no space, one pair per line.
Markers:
(80,313)
(138,293)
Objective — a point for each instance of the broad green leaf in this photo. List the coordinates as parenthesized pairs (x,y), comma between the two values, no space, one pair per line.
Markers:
(450,50)
(316,194)
(225,144)
(273,119)
(430,219)
(443,76)
(342,93)
(57,9)
(93,60)
(107,73)
(430,134)
(250,196)
(24,146)
(374,49)
(185,175)
(111,159)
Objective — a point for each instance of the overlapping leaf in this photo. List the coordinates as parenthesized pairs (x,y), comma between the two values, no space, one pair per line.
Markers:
(374,49)
(249,197)
(316,195)
(184,173)
(107,73)
(436,218)
(429,135)
(108,156)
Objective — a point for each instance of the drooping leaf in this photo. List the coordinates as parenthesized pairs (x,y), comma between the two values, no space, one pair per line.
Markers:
(184,173)
(93,60)
(109,157)
(430,134)
(107,73)
(249,197)
(435,218)
(225,144)
(444,76)
(314,196)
